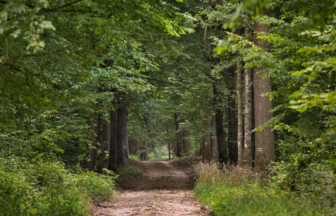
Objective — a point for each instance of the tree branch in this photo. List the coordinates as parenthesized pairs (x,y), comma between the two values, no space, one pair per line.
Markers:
(66,5)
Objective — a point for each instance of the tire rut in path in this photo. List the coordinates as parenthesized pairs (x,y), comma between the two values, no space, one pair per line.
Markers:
(163,189)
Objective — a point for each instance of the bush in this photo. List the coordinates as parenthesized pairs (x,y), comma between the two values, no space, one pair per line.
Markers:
(40,187)
(238,191)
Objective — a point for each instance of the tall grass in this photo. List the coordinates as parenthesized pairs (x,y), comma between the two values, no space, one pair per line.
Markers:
(234,190)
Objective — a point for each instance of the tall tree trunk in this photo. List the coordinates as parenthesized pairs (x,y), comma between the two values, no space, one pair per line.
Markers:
(146,150)
(122,158)
(174,149)
(248,107)
(233,128)
(264,140)
(104,141)
(130,146)
(92,148)
(143,152)
(169,145)
(214,144)
(135,143)
(232,121)
(201,143)
(113,141)
(186,142)
(221,142)
(169,151)
(178,136)
(206,151)
(240,113)
(226,134)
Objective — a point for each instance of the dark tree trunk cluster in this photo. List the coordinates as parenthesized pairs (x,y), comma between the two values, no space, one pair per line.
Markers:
(109,143)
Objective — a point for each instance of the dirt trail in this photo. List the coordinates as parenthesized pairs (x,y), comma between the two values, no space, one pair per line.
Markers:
(163,189)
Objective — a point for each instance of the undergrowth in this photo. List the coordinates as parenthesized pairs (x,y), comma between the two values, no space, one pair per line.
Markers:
(133,157)
(125,172)
(44,187)
(238,191)
(130,170)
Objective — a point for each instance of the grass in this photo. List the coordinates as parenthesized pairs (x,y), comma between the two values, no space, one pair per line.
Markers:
(126,172)
(238,191)
(130,170)
(133,157)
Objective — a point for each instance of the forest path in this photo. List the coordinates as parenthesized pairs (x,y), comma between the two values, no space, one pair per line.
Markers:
(163,189)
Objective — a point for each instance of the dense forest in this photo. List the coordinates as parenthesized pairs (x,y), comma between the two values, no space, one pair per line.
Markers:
(88,85)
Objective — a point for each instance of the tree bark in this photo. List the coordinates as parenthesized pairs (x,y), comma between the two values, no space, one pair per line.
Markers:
(264,140)
(186,142)
(130,146)
(248,108)
(92,148)
(221,142)
(232,121)
(143,150)
(146,151)
(178,137)
(122,142)
(169,151)
(174,149)
(240,113)
(135,144)
(206,151)
(104,141)
(113,141)
(214,144)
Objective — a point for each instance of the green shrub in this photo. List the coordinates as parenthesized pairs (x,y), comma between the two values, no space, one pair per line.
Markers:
(42,187)
(239,191)
(133,157)
(99,187)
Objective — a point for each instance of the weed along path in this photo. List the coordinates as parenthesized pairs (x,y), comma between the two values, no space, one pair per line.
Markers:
(164,188)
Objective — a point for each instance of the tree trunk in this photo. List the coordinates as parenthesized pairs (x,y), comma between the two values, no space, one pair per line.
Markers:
(206,151)
(113,141)
(264,140)
(122,158)
(143,150)
(130,147)
(221,142)
(104,141)
(248,109)
(146,151)
(135,144)
(178,137)
(232,121)
(240,113)
(186,142)
(169,151)
(92,148)
(174,149)
(214,144)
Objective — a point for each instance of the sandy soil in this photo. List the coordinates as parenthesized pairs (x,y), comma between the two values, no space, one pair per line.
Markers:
(163,189)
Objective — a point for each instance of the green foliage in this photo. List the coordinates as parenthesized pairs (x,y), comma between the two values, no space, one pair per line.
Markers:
(133,157)
(235,191)
(99,187)
(127,172)
(130,170)
(158,153)
(43,187)
(62,64)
